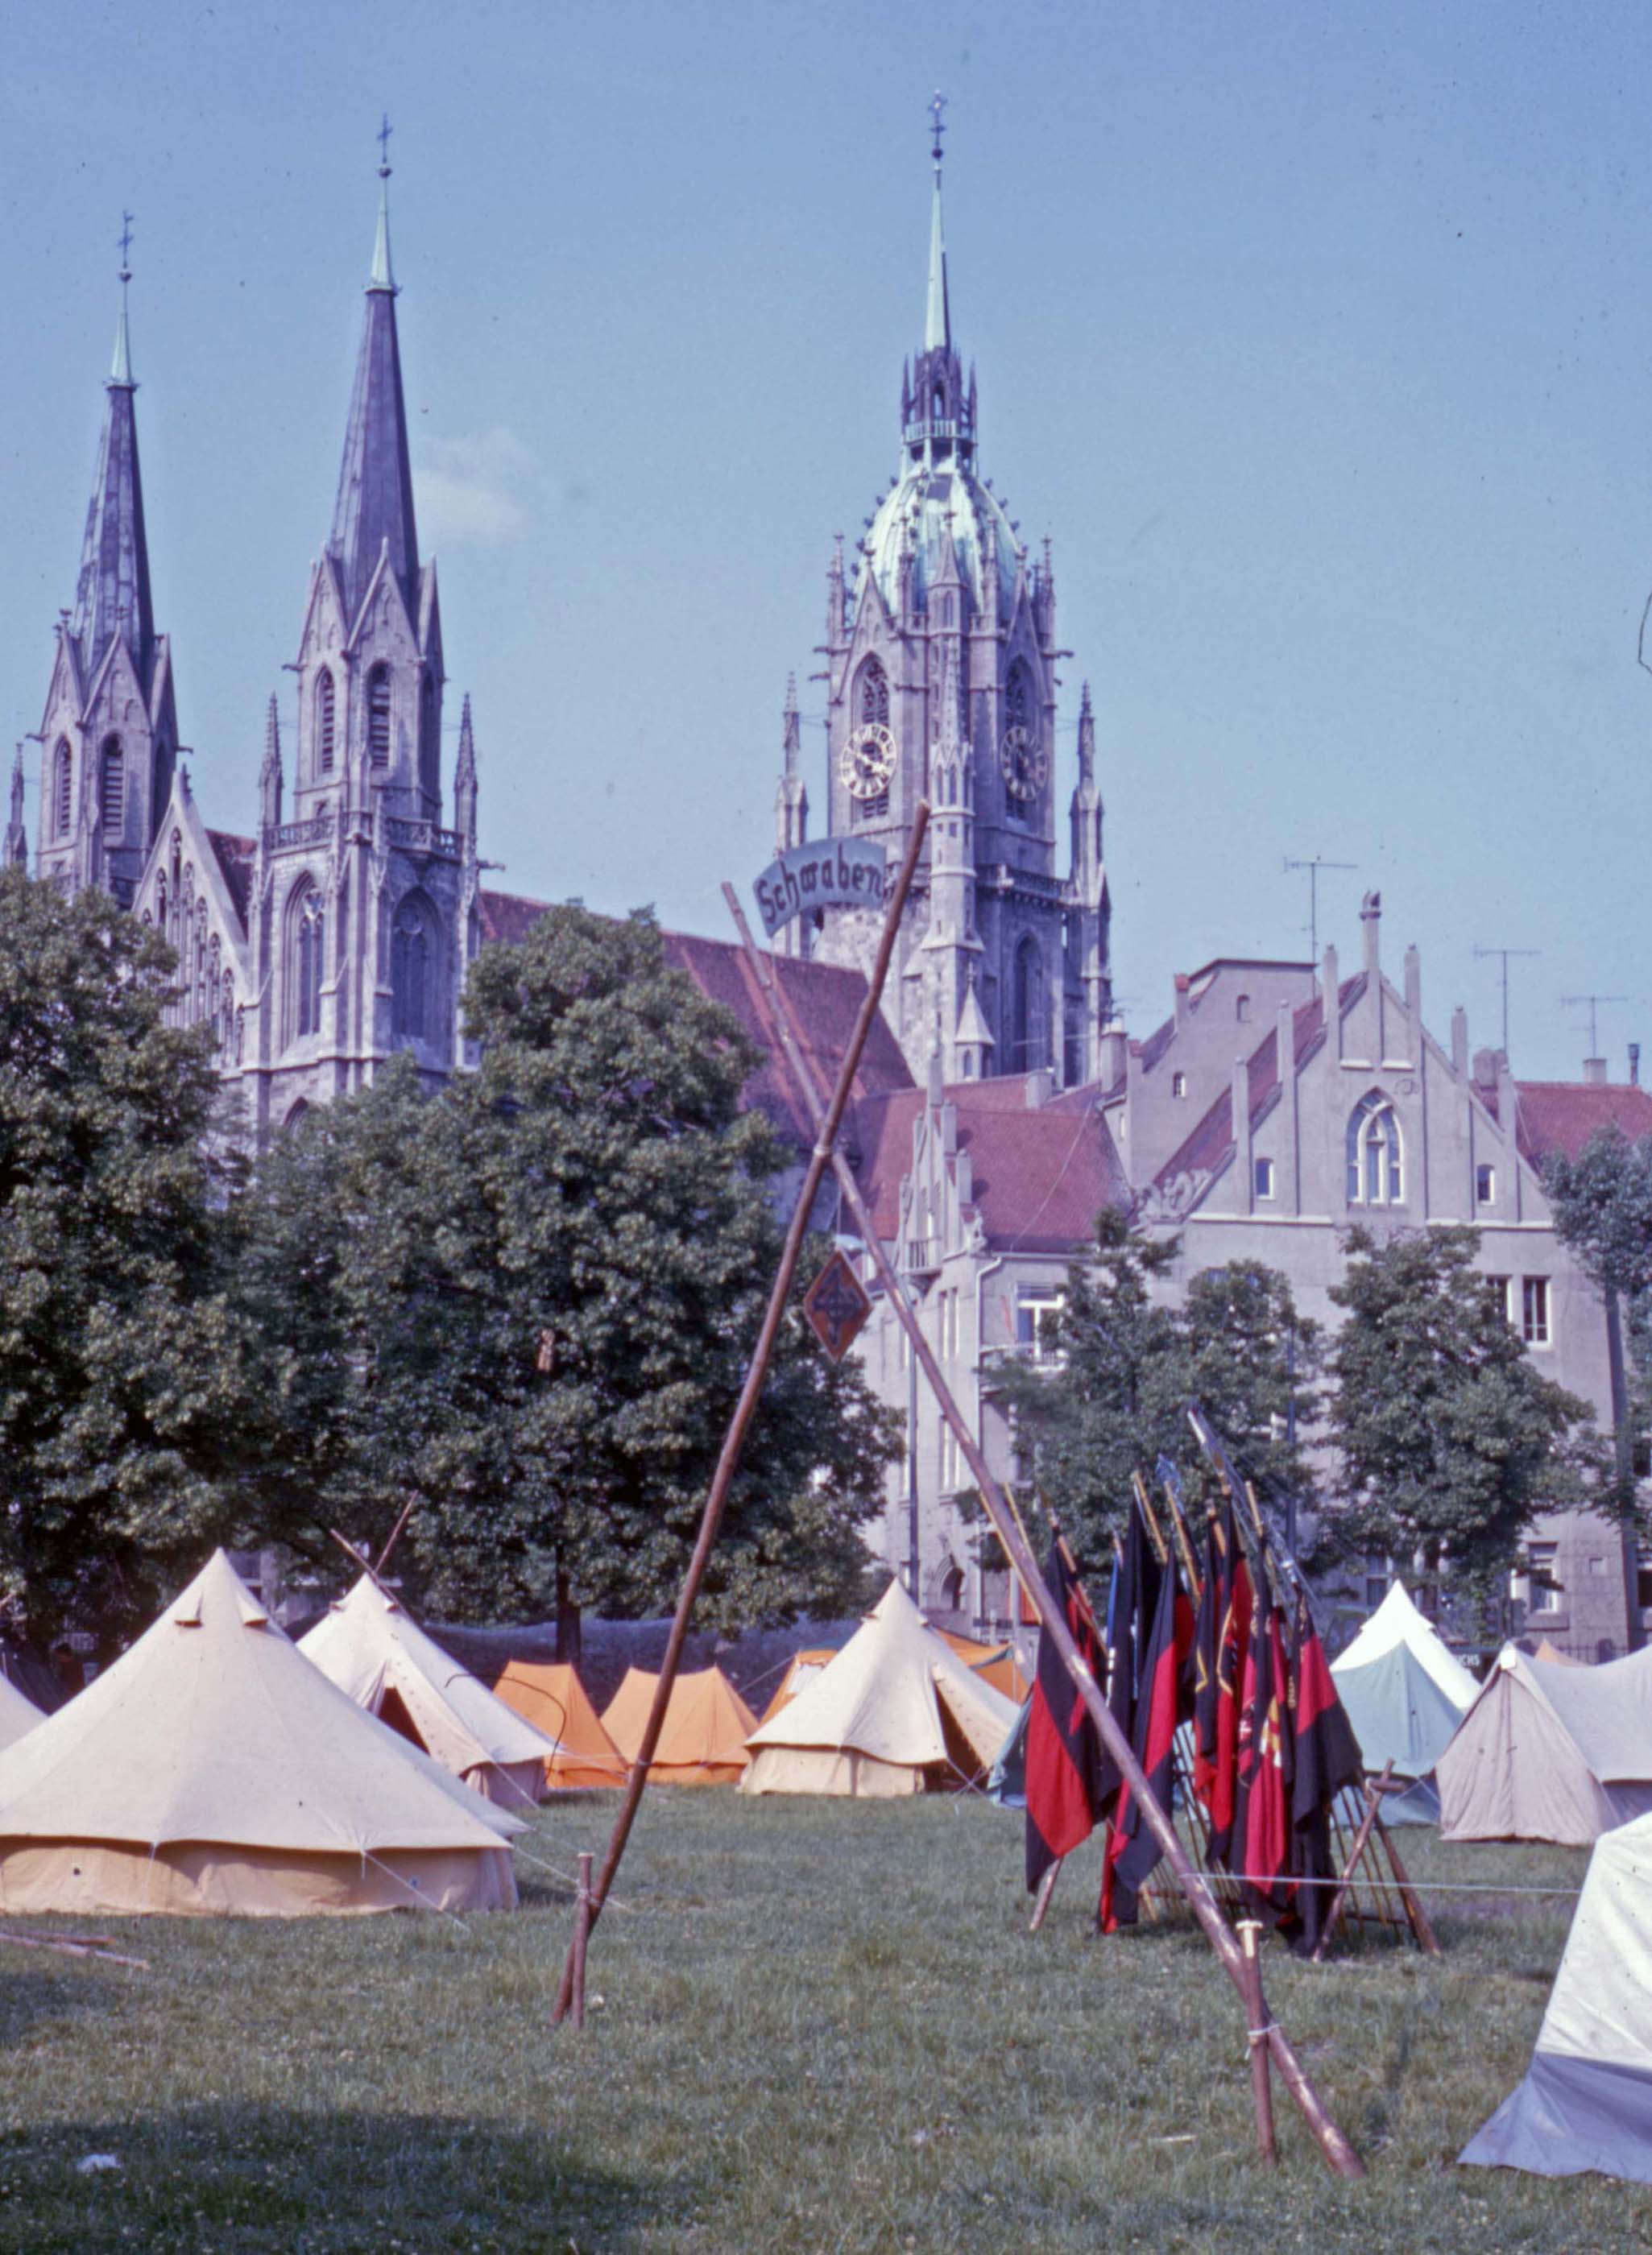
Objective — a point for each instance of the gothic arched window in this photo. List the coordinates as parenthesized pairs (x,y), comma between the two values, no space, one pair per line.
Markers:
(1026,1049)
(869,706)
(378,715)
(306,949)
(1376,1164)
(324,722)
(412,937)
(64,809)
(111,785)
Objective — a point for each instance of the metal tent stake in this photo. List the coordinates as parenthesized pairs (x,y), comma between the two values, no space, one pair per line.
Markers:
(1338,2154)
(829,1120)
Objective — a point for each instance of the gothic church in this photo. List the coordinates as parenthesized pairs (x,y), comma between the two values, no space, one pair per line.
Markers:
(341,931)
(941,670)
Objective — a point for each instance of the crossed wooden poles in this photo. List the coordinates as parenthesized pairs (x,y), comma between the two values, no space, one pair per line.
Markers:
(1263,2032)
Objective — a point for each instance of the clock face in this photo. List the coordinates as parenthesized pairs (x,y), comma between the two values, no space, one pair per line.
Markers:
(867,761)
(1024,763)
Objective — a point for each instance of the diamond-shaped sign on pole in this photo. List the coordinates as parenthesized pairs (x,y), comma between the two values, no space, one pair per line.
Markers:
(837,1304)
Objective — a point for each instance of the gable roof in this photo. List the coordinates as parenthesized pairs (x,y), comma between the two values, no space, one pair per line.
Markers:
(1038,1178)
(1209,1143)
(824,999)
(1563,1115)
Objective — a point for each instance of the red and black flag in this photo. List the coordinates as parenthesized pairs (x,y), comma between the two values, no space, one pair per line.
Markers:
(1221,1650)
(1262,1837)
(1133,1852)
(1132,1597)
(1327,1759)
(1064,1750)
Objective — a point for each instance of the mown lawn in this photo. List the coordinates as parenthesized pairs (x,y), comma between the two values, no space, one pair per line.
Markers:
(822,2027)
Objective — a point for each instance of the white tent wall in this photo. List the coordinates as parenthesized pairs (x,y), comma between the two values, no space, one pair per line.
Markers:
(1586,2100)
(1551,1752)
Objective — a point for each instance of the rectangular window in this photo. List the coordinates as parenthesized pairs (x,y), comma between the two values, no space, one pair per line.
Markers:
(1534,1311)
(1484,1185)
(1546,1590)
(1499,1286)
(1032,1305)
(1264,1172)
(1179,1084)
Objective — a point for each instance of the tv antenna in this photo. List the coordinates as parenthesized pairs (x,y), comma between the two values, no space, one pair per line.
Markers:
(1593,1001)
(1313,865)
(1502,955)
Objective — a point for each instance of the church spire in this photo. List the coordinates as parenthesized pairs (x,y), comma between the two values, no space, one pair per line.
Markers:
(375,504)
(112,597)
(938,325)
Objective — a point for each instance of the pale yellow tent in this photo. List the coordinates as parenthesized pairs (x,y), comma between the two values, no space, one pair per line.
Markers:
(212,1768)
(373,1650)
(1551,1751)
(550,1694)
(706,1724)
(896,1711)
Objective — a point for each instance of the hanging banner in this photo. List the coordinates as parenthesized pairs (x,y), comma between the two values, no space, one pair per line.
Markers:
(833,873)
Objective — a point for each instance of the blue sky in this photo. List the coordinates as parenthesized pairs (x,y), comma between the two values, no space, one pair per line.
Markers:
(1317,339)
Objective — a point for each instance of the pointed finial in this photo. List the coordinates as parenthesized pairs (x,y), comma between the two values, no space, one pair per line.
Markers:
(465,771)
(1086,737)
(121,370)
(382,278)
(937,106)
(272,738)
(791,739)
(938,330)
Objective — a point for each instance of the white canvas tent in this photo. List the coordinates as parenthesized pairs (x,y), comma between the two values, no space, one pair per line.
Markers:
(896,1711)
(1549,1752)
(1586,2100)
(1397,1621)
(211,1768)
(379,1657)
(1405,1693)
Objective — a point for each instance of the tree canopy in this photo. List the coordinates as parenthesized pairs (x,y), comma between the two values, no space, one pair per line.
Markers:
(526,1302)
(1450,1438)
(1602,1202)
(1127,1364)
(123,1359)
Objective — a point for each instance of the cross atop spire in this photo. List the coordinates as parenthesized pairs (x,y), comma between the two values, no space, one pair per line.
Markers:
(121,369)
(938,327)
(381,276)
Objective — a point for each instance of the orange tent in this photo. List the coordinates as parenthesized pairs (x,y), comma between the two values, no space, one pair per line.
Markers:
(995,1663)
(801,1668)
(552,1697)
(707,1726)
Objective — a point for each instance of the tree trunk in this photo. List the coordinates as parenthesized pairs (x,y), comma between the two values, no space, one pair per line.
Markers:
(568,1624)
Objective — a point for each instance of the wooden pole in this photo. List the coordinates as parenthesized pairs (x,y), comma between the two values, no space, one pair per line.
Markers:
(1144,1506)
(1372,1801)
(1426,1940)
(581,1936)
(1338,2154)
(395,1535)
(829,1120)
(1261,2088)
(1046,1889)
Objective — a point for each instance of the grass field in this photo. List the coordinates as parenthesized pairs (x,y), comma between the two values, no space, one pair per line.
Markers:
(823,2027)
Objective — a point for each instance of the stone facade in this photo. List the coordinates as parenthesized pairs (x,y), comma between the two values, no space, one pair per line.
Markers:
(940,656)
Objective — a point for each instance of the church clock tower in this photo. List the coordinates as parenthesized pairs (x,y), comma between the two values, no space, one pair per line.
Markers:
(940,666)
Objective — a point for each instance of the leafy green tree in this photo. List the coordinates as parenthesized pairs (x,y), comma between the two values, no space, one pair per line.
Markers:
(526,1303)
(1126,1364)
(1602,1202)
(1450,1438)
(123,1363)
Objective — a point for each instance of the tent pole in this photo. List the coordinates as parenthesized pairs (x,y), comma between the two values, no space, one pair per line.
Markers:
(827,1120)
(1338,2154)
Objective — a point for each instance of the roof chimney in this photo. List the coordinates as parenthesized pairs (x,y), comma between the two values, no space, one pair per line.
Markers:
(1594,1071)
(1371,920)
(1634,1065)
(1040,1088)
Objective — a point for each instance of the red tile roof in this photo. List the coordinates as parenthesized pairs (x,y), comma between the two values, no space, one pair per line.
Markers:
(1563,1115)
(1038,1178)
(824,999)
(234,857)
